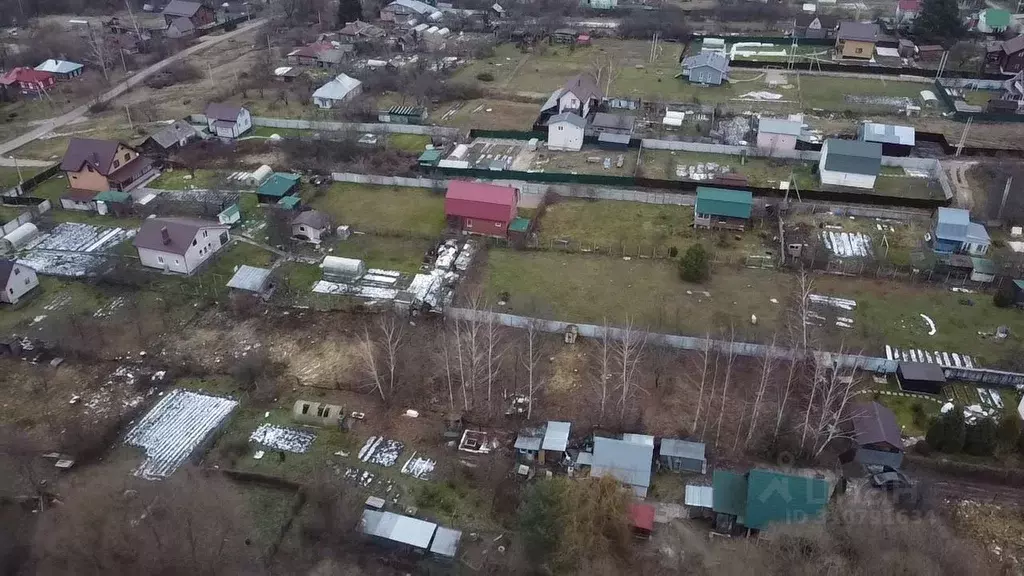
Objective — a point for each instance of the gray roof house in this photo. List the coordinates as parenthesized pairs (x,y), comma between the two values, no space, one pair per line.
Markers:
(628,462)
(876,435)
(338,90)
(779,126)
(683,455)
(177,134)
(706,68)
(411,533)
(851,163)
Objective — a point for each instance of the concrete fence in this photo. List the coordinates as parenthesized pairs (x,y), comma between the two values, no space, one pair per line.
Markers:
(26,216)
(327,126)
(671,340)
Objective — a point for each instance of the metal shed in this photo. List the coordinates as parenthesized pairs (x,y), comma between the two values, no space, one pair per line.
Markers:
(556,436)
(397,528)
(921,377)
(627,462)
(446,542)
(250,279)
(337,269)
(683,455)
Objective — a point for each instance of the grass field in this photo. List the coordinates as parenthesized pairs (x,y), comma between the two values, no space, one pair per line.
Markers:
(594,288)
(889,313)
(178,179)
(549,67)
(414,143)
(238,253)
(490,114)
(9,176)
(610,223)
(386,252)
(408,211)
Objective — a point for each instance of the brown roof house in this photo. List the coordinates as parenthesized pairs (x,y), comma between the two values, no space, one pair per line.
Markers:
(194,12)
(1009,55)
(815,26)
(876,436)
(179,245)
(93,166)
(311,226)
(15,281)
(856,40)
(227,120)
(580,95)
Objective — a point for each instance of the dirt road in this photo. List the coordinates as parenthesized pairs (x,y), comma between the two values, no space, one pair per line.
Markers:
(138,77)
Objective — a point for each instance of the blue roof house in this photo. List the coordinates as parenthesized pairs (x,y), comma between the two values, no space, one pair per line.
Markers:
(955,233)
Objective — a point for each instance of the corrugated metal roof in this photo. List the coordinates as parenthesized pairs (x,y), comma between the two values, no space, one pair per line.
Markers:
(552,100)
(613,138)
(730,493)
(853,156)
(682,449)
(585,459)
(952,223)
(874,423)
(887,134)
(773,497)
(406,110)
(174,427)
(642,439)
(707,59)
(556,436)
(699,496)
(531,443)
(570,117)
(520,224)
(58,66)
(398,528)
(629,463)
(983,266)
(278,184)
(338,88)
(249,278)
(724,202)
(446,542)
(779,126)
(977,233)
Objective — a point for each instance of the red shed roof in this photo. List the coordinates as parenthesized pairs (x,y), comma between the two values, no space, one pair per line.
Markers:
(22,74)
(642,516)
(479,200)
(909,5)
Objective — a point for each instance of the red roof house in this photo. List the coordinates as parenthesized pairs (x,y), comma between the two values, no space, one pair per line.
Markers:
(29,80)
(480,208)
(907,9)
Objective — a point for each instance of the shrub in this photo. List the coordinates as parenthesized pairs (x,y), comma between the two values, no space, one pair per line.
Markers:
(948,432)
(100,106)
(673,252)
(485,77)
(980,439)
(695,265)
(1003,298)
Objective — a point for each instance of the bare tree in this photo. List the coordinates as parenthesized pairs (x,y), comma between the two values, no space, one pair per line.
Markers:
(533,354)
(806,286)
(98,53)
(838,388)
(767,367)
(494,350)
(604,371)
(20,469)
(628,351)
(784,391)
(603,68)
(706,357)
(446,351)
(729,360)
(382,371)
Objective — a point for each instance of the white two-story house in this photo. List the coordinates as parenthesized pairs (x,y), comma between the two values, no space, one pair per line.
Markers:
(179,245)
(16,281)
(227,120)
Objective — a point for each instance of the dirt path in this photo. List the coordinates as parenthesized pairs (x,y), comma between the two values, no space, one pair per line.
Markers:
(956,170)
(121,88)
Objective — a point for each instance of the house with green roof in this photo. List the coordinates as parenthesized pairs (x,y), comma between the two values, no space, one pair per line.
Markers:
(993,21)
(759,498)
(113,202)
(279,185)
(722,208)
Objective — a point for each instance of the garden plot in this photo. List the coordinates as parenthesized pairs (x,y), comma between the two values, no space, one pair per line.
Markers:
(173,428)
(218,197)
(835,308)
(974,412)
(930,357)
(72,249)
(286,439)
(381,451)
(895,102)
(847,244)
(702,171)
(419,467)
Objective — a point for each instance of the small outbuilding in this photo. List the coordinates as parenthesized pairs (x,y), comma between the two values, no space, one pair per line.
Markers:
(311,226)
(641,519)
(876,435)
(339,90)
(851,163)
(556,440)
(777,134)
(683,455)
(722,208)
(337,269)
(759,498)
(628,462)
(317,413)
(16,280)
(250,279)
(921,377)
(706,68)
(61,69)
(113,202)
(982,270)
(230,215)
(276,187)
(895,140)
(565,131)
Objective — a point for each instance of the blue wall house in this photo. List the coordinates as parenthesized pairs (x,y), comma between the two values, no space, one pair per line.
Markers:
(706,68)
(955,233)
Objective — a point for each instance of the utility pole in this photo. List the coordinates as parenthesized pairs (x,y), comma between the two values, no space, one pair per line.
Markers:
(22,181)
(129,113)
(1002,204)
(963,135)
(135,24)
(123,64)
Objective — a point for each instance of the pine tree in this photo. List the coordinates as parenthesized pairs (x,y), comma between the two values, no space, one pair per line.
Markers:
(981,438)
(939,22)
(695,265)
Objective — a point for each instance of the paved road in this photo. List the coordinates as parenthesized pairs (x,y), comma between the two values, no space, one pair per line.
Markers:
(24,163)
(54,123)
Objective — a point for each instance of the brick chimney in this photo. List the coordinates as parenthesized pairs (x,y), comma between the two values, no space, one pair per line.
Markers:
(165,235)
